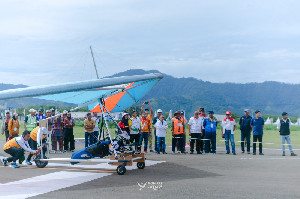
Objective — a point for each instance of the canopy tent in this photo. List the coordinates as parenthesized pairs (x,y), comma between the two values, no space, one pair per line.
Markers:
(119,92)
(268,121)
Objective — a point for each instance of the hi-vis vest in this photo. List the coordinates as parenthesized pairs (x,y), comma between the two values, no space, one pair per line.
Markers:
(29,125)
(33,134)
(11,143)
(178,126)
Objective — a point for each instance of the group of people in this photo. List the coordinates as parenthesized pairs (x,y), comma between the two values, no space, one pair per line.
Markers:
(202,130)
(59,128)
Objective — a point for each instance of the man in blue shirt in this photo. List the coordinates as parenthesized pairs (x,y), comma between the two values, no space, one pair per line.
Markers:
(257,125)
(245,130)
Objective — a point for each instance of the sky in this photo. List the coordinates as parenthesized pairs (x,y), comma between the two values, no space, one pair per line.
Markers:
(46,42)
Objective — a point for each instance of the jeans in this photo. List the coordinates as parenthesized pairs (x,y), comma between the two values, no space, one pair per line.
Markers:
(144,136)
(16,153)
(259,138)
(89,139)
(180,139)
(229,136)
(150,140)
(211,142)
(195,137)
(288,141)
(96,136)
(161,144)
(245,135)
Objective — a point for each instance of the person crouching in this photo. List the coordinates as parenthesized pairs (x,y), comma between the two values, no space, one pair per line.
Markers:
(16,147)
(161,130)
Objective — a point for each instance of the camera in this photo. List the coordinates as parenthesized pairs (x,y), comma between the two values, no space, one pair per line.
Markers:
(146,102)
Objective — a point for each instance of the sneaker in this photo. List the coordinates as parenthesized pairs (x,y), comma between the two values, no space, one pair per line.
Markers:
(248,152)
(234,154)
(183,153)
(14,165)
(158,152)
(243,151)
(4,162)
(139,151)
(73,150)
(293,154)
(228,153)
(283,154)
(28,162)
(165,152)
(199,152)
(261,154)
(151,151)
(254,153)
(191,152)
(174,152)
(145,151)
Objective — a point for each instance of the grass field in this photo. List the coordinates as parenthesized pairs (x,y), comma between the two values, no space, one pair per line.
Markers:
(271,135)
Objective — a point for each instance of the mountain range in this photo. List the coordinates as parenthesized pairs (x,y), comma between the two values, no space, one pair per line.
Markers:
(189,94)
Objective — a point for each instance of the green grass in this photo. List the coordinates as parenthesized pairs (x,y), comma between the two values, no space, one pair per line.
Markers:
(271,135)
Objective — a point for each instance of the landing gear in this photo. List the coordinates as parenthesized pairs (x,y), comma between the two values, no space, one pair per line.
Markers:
(40,164)
(140,165)
(121,170)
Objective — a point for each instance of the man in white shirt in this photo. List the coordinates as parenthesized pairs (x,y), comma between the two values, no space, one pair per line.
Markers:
(161,127)
(16,147)
(284,127)
(228,128)
(195,131)
(135,127)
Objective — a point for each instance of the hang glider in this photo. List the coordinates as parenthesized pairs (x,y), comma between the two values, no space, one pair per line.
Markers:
(119,93)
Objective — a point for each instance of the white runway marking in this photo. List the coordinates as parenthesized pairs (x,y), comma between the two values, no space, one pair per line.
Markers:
(58,180)
(45,183)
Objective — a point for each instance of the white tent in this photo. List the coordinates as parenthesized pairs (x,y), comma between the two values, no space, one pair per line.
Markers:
(277,121)
(268,121)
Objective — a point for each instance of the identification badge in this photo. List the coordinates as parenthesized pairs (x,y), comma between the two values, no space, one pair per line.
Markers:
(15,129)
(212,125)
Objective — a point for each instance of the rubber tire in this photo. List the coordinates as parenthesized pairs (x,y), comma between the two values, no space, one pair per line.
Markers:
(40,164)
(121,170)
(141,165)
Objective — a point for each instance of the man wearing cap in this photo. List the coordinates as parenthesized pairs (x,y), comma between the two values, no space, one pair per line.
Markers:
(40,115)
(257,125)
(184,137)
(89,125)
(69,124)
(135,128)
(245,130)
(210,124)
(178,132)
(284,127)
(228,128)
(156,119)
(202,116)
(30,120)
(195,131)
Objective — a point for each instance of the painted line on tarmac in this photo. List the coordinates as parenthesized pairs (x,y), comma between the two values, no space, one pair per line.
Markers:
(287,158)
(46,183)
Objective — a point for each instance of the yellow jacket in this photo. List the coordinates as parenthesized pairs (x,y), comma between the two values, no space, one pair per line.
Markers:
(12,124)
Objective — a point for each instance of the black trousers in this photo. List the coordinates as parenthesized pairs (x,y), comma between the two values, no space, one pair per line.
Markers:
(69,138)
(16,153)
(6,135)
(178,138)
(259,138)
(33,146)
(135,139)
(195,137)
(245,138)
(202,141)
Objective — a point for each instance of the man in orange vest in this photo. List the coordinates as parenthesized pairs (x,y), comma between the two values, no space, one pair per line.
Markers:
(178,132)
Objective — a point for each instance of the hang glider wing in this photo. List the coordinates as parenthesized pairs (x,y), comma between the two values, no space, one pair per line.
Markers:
(119,92)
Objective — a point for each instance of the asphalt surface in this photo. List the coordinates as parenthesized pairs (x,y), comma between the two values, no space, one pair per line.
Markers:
(181,176)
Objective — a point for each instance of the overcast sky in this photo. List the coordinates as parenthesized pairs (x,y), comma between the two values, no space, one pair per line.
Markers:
(44,42)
